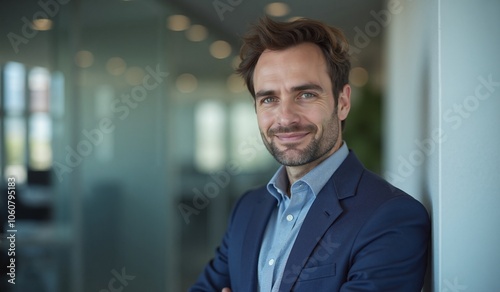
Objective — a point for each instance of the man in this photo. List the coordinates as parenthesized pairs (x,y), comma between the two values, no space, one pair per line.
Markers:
(323,222)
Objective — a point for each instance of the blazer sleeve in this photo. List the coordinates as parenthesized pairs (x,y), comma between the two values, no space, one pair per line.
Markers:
(215,275)
(390,250)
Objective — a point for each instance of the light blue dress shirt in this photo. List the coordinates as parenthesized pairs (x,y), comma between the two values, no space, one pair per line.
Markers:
(286,219)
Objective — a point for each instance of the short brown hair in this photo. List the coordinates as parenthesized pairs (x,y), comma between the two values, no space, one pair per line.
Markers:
(272,35)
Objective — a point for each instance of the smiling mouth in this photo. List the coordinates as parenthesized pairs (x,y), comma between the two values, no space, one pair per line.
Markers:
(293,137)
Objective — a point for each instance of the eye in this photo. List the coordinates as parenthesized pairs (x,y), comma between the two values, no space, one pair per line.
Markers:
(307,95)
(268,99)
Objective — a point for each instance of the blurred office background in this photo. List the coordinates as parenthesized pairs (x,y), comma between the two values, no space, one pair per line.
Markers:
(130,137)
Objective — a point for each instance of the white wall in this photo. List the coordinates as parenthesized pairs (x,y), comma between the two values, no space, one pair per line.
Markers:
(441,131)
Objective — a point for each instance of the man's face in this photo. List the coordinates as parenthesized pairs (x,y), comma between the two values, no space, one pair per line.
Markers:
(298,120)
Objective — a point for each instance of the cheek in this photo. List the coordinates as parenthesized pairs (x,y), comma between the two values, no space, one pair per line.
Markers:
(325,124)
(264,120)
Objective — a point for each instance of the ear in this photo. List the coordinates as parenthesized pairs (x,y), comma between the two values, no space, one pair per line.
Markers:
(344,102)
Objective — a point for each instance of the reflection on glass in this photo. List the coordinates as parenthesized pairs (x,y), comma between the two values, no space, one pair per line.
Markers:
(15,141)
(14,88)
(40,137)
(210,138)
(104,96)
(39,87)
(57,94)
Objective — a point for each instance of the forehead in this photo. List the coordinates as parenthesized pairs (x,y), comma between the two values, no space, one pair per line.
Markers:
(301,63)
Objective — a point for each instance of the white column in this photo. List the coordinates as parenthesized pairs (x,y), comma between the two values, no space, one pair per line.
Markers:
(442,139)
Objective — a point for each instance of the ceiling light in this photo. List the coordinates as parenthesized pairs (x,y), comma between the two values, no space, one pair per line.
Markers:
(134,75)
(294,18)
(220,49)
(196,33)
(236,62)
(84,59)
(178,22)
(116,66)
(42,24)
(235,83)
(186,83)
(277,9)
(358,76)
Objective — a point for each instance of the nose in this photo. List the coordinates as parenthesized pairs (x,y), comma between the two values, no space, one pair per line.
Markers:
(288,113)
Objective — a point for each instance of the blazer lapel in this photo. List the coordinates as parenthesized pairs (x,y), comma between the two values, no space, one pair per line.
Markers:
(323,212)
(321,215)
(253,239)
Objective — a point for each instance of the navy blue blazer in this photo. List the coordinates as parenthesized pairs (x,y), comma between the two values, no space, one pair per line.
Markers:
(361,234)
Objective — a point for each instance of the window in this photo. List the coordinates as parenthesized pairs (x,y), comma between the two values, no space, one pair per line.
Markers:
(210,136)
(14,131)
(25,121)
(237,139)
(40,123)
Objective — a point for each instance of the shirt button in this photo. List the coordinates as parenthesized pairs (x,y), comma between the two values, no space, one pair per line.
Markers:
(271,262)
(289,217)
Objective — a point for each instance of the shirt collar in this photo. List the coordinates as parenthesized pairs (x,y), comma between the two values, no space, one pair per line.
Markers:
(315,179)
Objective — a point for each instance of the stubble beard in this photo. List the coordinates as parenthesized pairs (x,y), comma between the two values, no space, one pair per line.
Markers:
(317,148)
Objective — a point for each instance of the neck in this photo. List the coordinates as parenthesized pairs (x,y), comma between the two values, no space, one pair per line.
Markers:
(295,173)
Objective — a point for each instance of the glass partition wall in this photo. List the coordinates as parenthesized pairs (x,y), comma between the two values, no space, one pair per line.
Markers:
(128,136)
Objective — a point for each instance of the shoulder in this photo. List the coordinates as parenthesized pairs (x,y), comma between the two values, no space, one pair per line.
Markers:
(377,188)
(365,196)
(390,208)
(357,186)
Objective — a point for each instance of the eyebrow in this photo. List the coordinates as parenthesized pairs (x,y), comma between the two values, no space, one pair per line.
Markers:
(261,93)
(308,86)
